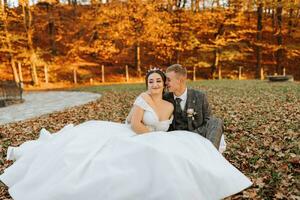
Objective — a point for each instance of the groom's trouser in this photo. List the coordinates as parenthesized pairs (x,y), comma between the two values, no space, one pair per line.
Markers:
(214,131)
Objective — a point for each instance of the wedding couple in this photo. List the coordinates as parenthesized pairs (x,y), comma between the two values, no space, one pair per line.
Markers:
(188,108)
(101,160)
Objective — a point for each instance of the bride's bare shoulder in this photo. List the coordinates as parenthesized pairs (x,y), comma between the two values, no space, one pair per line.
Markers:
(146,97)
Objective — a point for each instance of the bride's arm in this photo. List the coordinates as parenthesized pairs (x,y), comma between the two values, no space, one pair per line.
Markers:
(136,121)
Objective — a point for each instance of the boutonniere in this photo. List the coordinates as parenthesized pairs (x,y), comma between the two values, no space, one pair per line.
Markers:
(191,113)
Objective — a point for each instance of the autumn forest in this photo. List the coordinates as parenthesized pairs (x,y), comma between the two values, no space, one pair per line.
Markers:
(50,41)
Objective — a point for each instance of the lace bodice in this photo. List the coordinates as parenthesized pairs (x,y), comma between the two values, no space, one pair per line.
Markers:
(150,118)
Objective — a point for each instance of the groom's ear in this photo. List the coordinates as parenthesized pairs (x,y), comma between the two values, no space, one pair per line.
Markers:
(182,79)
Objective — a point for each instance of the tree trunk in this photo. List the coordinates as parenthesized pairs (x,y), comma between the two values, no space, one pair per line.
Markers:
(28,28)
(15,71)
(34,76)
(178,3)
(215,63)
(20,71)
(9,45)
(192,5)
(52,32)
(217,51)
(290,22)
(197,5)
(259,38)
(279,53)
(4,5)
(51,26)
(184,3)
(217,2)
(74,4)
(52,37)
(178,36)
(274,21)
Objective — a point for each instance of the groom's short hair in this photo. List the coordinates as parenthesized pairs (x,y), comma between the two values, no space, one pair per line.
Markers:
(178,69)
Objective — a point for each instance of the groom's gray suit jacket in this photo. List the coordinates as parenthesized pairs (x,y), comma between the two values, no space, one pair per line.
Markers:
(201,121)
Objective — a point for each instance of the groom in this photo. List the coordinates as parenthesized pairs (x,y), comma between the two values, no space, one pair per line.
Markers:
(192,111)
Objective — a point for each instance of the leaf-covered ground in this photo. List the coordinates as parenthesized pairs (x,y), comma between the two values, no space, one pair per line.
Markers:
(262,129)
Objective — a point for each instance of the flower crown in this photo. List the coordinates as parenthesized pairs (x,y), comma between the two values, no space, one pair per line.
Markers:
(154,70)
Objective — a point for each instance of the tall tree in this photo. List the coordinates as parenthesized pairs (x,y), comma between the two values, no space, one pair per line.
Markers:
(27,18)
(291,6)
(51,25)
(280,51)
(7,41)
(259,38)
(217,50)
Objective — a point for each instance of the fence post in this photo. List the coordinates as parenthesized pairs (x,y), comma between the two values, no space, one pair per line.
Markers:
(220,72)
(284,71)
(262,77)
(240,72)
(20,71)
(127,74)
(102,70)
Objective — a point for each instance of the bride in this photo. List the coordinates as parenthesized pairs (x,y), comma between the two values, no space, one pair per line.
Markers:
(112,161)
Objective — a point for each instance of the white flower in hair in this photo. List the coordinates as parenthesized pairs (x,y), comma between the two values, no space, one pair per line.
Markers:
(154,69)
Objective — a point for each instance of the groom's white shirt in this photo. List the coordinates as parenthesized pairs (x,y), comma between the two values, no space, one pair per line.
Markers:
(183,98)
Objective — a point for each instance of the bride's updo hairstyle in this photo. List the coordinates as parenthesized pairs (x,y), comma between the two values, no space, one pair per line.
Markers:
(158,71)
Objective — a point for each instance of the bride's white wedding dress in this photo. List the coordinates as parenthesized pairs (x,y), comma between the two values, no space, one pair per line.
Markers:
(100,160)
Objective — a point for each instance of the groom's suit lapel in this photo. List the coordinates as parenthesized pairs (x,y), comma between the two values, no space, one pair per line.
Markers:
(189,100)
